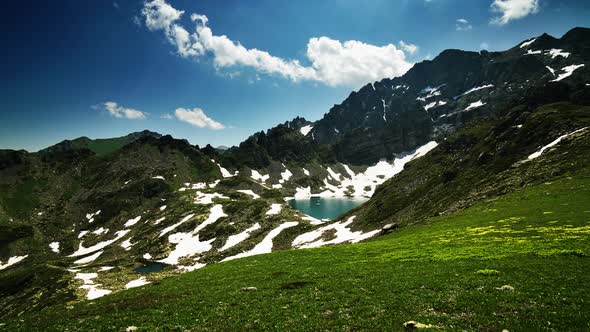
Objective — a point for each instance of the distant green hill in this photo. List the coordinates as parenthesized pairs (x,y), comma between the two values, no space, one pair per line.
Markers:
(101,146)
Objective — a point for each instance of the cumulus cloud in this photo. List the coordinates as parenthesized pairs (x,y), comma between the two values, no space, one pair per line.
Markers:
(353,63)
(513,10)
(335,63)
(197,117)
(463,25)
(121,112)
(159,15)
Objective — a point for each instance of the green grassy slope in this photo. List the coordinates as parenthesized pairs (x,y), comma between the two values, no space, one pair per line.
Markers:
(448,272)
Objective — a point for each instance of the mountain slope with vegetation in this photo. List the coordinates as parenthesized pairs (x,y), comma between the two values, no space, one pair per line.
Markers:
(486,159)
(450,142)
(497,265)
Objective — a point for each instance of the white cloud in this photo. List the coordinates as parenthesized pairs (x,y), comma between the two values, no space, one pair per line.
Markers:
(409,48)
(197,117)
(353,63)
(121,112)
(160,15)
(335,63)
(463,25)
(166,116)
(513,10)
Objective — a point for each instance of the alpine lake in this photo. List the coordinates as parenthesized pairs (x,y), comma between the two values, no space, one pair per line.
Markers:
(326,208)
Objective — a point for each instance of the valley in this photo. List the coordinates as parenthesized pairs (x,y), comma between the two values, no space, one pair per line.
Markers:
(454,196)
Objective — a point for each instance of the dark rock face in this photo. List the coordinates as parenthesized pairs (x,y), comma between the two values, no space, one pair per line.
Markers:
(431,101)
(283,143)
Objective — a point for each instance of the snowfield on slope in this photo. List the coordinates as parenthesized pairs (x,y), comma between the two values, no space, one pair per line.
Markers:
(188,244)
(363,184)
(11,261)
(343,234)
(265,246)
(538,153)
(237,238)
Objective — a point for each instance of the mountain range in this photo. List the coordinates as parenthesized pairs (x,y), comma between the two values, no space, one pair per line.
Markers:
(79,217)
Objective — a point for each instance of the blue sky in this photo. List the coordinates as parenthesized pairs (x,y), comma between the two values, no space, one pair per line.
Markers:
(103,69)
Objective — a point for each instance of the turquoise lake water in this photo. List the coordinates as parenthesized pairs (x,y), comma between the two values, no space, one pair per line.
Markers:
(326,208)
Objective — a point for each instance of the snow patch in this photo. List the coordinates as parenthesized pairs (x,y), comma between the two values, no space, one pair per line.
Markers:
(249,192)
(88,259)
(170,228)
(554,52)
(343,234)
(334,175)
(137,283)
(90,216)
(204,198)
(434,104)
(568,71)
(82,251)
(312,221)
(187,244)
(555,142)
(224,172)
(528,43)
(133,221)
(127,244)
(477,88)
(54,247)
(286,175)
(259,177)
(265,246)
(430,92)
(474,105)
(274,209)
(93,291)
(11,261)
(305,130)
(237,238)
(192,267)
(86,277)
(100,231)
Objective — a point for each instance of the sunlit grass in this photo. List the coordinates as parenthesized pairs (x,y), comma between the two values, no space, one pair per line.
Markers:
(503,264)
